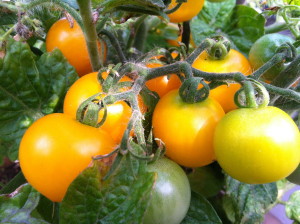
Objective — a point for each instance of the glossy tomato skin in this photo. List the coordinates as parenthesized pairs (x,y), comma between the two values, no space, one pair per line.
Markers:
(233,62)
(187,129)
(118,114)
(163,84)
(264,49)
(171,195)
(55,149)
(257,146)
(71,42)
(186,11)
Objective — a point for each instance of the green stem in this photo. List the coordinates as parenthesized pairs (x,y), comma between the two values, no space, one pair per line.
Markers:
(137,24)
(250,95)
(287,93)
(115,43)
(275,28)
(141,37)
(204,45)
(277,58)
(60,3)
(11,7)
(292,27)
(90,33)
(7,33)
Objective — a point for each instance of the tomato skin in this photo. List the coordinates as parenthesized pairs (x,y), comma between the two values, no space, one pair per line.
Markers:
(118,114)
(257,146)
(163,84)
(71,42)
(55,149)
(264,49)
(186,11)
(171,195)
(233,62)
(187,129)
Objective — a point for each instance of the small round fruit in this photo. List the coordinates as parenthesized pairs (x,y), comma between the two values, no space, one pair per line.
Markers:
(257,145)
(55,149)
(71,42)
(171,195)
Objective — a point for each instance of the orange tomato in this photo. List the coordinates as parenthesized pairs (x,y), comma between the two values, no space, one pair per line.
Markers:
(186,11)
(71,42)
(56,148)
(187,129)
(233,62)
(118,114)
(163,84)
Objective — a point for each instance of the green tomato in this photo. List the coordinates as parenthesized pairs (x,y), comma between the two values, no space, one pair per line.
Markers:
(171,195)
(264,49)
(295,176)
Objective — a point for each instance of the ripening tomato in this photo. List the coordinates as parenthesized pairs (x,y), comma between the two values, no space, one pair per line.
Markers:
(71,42)
(187,129)
(171,195)
(163,84)
(55,149)
(257,145)
(233,62)
(118,114)
(264,49)
(186,11)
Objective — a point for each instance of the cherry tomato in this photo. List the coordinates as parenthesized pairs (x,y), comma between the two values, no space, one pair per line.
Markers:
(233,62)
(257,146)
(55,149)
(186,11)
(171,195)
(187,129)
(264,49)
(71,42)
(163,84)
(118,114)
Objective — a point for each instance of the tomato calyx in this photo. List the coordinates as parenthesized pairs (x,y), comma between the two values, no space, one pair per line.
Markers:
(219,48)
(252,95)
(190,91)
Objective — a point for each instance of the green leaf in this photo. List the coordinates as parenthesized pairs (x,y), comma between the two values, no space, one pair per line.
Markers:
(7,17)
(247,203)
(154,7)
(30,87)
(241,24)
(17,206)
(122,198)
(207,180)
(201,212)
(83,199)
(292,207)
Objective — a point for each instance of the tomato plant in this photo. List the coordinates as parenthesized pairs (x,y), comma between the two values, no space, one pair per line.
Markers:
(68,161)
(253,145)
(187,129)
(51,158)
(186,11)
(69,38)
(233,62)
(171,196)
(118,114)
(264,49)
